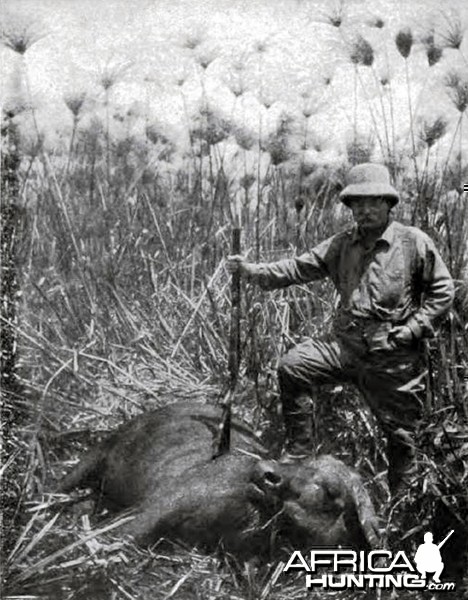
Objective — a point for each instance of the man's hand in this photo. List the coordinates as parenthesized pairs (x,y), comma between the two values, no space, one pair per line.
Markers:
(400,335)
(237,264)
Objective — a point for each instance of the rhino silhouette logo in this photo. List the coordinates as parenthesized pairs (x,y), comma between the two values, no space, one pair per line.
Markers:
(428,558)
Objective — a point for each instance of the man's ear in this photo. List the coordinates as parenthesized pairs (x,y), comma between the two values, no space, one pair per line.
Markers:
(389,204)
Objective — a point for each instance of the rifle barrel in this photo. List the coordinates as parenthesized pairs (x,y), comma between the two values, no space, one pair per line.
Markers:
(222,441)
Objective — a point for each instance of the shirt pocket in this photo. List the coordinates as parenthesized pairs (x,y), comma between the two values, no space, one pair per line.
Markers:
(392,278)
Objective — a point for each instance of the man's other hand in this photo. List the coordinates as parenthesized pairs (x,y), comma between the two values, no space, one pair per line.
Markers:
(401,335)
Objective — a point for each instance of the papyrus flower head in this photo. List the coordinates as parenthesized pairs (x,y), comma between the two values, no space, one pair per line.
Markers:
(260,46)
(74,101)
(193,38)
(112,74)
(404,41)
(434,54)
(20,33)
(247,181)
(211,126)
(14,106)
(359,149)
(433,49)
(278,144)
(377,22)
(237,87)
(457,89)
(337,14)
(245,138)
(238,62)
(267,99)
(205,56)
(452,34)
(433,130)
(361,52)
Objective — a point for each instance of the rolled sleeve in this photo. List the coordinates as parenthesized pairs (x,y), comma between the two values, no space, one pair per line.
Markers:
(316,264)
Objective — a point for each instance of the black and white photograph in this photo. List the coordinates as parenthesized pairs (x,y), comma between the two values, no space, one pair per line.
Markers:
(234,299)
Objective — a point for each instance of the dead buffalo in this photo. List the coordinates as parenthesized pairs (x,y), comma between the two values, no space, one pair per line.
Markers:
(159,465)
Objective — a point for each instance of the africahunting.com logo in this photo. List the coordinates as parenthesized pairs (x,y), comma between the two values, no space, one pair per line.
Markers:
(348,569)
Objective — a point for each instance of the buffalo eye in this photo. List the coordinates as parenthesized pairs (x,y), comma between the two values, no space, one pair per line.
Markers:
(334,495)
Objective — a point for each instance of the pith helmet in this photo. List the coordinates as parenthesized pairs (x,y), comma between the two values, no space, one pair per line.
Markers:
(369,179)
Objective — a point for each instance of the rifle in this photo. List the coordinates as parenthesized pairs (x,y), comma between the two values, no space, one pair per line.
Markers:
(222,441)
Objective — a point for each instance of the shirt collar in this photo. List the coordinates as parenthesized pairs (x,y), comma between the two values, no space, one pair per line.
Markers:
(387,236)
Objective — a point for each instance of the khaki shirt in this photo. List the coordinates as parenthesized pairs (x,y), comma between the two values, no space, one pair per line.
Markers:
(401,279)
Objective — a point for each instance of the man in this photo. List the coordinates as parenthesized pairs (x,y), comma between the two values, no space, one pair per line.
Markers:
(393,288)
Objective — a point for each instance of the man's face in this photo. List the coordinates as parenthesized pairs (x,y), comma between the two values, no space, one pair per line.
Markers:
(370,212)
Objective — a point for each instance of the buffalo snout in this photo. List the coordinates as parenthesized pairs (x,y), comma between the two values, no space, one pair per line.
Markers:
(328,503)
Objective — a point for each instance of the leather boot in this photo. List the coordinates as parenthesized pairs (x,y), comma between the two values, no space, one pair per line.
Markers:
(402,464)
(297,415)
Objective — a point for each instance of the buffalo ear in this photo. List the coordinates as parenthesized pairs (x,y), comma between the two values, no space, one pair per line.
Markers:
(361,520)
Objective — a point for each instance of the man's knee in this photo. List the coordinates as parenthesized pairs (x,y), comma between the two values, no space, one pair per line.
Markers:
(287,364)
(310,363)
(295,372)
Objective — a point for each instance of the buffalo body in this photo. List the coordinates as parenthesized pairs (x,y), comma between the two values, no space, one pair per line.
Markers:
(159,466)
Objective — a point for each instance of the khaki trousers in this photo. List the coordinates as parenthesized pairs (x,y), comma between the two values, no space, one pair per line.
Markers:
(362,355)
